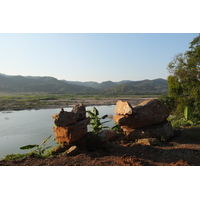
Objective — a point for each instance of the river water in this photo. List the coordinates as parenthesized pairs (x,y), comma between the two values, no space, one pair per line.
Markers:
(19,128)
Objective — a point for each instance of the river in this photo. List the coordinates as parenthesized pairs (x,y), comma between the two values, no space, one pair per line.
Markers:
(19,128)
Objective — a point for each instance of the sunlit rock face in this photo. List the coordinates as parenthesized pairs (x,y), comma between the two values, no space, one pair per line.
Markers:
(146,120)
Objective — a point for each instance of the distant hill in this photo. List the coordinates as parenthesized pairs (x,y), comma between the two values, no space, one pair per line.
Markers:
(39,84)
(126,86)
(106,85)
(53,85)
(145,86)
(91,84)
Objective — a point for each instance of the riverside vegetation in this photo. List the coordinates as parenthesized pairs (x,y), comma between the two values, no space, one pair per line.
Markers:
(183,97)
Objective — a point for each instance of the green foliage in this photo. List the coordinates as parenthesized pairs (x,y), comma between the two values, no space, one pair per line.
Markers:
(182,122)
(184,84)
(95,121)
(168,101)
(14,156)
(117,128)
(39,149)
(187,112)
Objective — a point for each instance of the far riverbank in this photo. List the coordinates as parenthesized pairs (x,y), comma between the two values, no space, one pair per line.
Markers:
(62,103)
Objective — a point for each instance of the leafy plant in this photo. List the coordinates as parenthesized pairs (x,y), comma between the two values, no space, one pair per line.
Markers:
(95,121)
(39,149)
(187,112)
(183,122)
(117,128)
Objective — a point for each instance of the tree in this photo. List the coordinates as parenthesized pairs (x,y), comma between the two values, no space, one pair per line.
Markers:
(184,80)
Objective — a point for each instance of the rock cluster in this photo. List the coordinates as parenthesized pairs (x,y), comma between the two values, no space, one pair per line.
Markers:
(71,132)
(71,126)
(146,120)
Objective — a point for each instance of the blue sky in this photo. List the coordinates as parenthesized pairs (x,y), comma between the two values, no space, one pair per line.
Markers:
(91,57)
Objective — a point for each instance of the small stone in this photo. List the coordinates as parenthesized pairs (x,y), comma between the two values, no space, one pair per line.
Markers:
(71,151)
(144,141)
(107,135)
(60,148)
(148,141)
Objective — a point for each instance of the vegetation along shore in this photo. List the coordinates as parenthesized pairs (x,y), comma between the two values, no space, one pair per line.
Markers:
(9,102)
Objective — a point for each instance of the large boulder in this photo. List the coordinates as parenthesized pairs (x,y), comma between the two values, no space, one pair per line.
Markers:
(146,113)
(162,131)
(71,133)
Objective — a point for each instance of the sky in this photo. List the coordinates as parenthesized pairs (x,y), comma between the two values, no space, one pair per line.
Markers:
(91,56)
(94,40)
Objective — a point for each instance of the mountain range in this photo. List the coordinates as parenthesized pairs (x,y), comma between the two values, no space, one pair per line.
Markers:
(52,85)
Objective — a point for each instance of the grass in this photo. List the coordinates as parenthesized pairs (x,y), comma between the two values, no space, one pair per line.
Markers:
(15,156)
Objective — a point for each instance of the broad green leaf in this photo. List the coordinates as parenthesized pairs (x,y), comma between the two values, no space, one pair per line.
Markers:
(95,111)
(30,146)
(115,127)
(105,122)
(104,116)
(90,113)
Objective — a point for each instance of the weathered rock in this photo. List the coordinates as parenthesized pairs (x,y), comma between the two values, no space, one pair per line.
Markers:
(79,111)
(147,113)
(123,108)
(148,141)
(91,142)
(64,118)
(73,150)
(107,135)
(71,133)
(162,131)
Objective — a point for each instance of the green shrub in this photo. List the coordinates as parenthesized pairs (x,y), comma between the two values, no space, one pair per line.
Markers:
(95,121)
(39,149)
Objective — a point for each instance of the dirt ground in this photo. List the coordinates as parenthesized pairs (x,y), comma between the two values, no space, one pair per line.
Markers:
(182,150)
